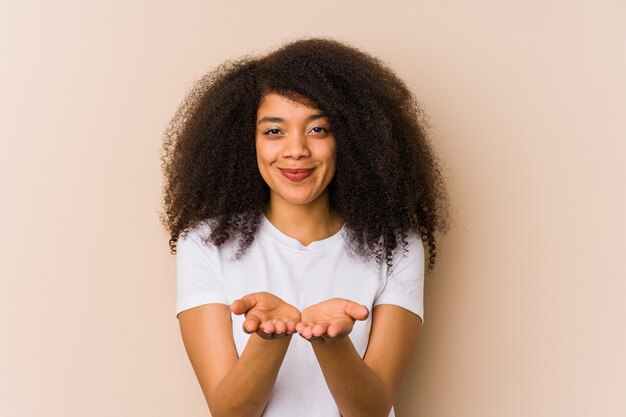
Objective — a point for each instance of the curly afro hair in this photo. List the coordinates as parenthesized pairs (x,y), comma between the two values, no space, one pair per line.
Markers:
(388,181)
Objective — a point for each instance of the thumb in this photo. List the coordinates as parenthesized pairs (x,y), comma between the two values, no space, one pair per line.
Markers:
(357,311)
(243,304)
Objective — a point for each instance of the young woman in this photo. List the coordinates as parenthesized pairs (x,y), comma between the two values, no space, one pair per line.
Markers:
(299,189)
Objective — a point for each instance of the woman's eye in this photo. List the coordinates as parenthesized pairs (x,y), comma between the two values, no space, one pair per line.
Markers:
(321,129)
(316,129)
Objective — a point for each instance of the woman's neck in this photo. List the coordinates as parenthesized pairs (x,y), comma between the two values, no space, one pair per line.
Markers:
(305,223)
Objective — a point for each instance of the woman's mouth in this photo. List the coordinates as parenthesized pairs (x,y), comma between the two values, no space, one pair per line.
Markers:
(296,174)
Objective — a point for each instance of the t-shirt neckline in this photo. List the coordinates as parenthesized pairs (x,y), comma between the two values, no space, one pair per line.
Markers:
(269,230)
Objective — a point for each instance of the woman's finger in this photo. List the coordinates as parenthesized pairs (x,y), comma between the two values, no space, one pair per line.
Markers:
(334,330)
(299,327)
(319,329)
(305,332)
(267,327)
(251,324)
(243,304)
(357,311)
(280,327)
(292,326)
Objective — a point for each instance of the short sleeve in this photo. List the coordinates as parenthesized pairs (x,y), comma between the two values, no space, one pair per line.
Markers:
(405,279)
(198,280)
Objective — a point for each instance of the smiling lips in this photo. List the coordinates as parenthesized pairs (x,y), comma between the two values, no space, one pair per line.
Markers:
(296,174)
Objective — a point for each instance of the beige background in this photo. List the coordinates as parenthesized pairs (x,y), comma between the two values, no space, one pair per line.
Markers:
(527,101)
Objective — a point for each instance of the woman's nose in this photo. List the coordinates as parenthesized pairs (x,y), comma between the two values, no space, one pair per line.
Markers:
(297,145)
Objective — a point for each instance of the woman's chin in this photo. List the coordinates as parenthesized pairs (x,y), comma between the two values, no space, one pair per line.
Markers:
(297,199)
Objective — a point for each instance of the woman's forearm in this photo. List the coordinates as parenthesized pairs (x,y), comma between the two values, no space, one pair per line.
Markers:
(247,387)
(356,388)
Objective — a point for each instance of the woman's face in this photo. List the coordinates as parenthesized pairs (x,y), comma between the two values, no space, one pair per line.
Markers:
(289,136)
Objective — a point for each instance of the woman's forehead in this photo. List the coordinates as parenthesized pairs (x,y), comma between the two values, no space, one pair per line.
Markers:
(274,102)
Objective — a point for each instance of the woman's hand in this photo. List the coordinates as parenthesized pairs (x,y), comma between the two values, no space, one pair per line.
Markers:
(267,315)
(330,320)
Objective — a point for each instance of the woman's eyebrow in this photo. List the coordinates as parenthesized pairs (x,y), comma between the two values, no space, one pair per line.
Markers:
(280,119)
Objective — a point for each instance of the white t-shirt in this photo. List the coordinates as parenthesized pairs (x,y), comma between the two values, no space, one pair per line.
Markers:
(300,275)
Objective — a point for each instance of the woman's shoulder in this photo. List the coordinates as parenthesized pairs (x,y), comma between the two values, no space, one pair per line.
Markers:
(198,231)
(199,236)
(412,251)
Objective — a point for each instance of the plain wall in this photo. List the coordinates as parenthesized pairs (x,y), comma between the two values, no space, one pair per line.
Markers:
(524,313)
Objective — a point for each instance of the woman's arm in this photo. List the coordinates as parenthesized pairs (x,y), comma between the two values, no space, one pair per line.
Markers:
(367,387)
(247,387)
(237,386)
